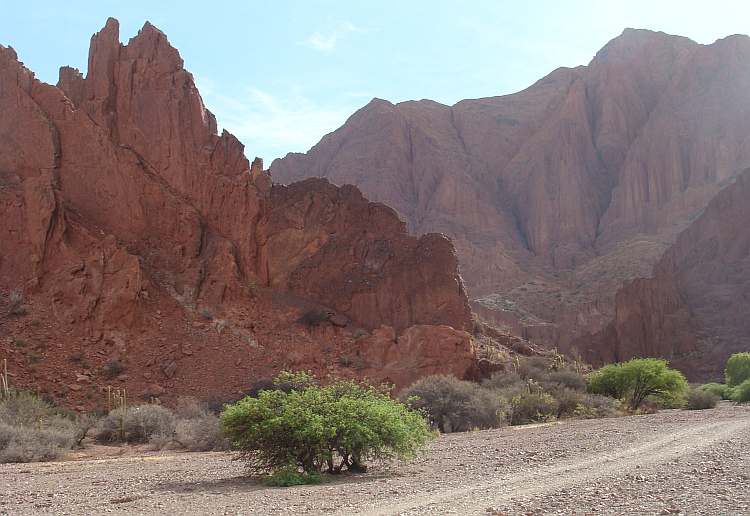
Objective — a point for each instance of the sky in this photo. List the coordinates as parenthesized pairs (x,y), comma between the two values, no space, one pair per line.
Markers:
(280,74)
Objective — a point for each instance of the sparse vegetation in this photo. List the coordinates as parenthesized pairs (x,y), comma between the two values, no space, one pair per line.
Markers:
(312,429)
(17,307)
(115,368)
(313,318)
(32,430)
(538,389)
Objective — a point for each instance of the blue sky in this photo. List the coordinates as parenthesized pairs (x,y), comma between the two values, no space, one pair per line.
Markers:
(280,74)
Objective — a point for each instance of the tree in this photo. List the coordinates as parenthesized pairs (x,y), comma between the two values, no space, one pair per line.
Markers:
(316,429)
(636,380)
(738,369)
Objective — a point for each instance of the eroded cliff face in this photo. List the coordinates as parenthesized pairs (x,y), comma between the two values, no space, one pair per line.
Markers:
(692,310)
(141,235)
(558,194)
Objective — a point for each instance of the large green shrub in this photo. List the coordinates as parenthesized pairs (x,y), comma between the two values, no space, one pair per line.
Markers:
(639,379)
(454,405)
(741,393)
(720,389)
(738,369)
(322,428)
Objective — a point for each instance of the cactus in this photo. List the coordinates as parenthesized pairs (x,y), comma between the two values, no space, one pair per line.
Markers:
(4,391)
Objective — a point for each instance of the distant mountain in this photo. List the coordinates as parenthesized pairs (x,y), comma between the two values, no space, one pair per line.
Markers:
(558,194)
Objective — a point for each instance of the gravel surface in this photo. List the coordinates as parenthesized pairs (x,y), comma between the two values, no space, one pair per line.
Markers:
(674,462)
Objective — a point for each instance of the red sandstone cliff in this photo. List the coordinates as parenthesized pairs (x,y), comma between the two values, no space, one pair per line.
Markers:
(693,309)
(557,194)
(133,232)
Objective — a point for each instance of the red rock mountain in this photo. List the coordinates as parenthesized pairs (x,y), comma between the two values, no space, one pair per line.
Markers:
(133,236)
(694,307)
(557,194)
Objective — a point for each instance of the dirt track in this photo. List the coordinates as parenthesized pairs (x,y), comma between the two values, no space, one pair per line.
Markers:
(674,462)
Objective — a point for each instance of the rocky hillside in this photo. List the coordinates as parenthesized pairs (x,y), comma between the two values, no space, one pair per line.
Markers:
(140,249)
(558,194)
(693,308)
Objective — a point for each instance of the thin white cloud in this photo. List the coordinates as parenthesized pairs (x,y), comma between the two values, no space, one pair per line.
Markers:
(327,42)
(271,125)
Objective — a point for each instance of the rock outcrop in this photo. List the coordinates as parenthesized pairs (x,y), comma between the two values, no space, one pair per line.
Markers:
(557,194)
(125,215)
(692,310)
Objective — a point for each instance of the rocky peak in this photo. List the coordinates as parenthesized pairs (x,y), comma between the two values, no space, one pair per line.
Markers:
(135,225)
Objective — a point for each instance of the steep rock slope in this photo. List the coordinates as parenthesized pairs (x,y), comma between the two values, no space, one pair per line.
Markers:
(133,233)
(557,194)
(693,309)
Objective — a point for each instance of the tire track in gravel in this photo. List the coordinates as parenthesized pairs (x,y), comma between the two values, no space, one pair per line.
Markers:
(543,480)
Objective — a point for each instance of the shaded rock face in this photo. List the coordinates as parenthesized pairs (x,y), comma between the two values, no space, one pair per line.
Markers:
(557,194)
(332,245)
(419,352)
(693,308)
(118,198)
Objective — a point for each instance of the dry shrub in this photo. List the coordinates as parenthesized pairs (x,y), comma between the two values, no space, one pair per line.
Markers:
(454,405)
(25,444)
(313,317)
(147,424)
(198,428)
(31,431)
(699,399)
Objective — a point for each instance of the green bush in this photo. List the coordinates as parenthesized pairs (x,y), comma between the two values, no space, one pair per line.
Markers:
(699,399)
(533,406)
(453,405)
(738,369)
(315,429)
(720,389)
(290,476)
(639,379)
(741,393)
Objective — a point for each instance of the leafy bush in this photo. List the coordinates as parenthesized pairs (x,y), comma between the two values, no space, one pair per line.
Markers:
(738,369)
(639,379)
(316,428)
(152,424)
(454,405)
(699,399)
(720,389)
(741,393)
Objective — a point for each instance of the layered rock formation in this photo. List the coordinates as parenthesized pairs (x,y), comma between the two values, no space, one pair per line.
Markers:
(126,215)
(693,309)
(558,194)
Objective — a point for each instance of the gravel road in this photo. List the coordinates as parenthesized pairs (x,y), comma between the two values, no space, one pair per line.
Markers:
(674,462)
